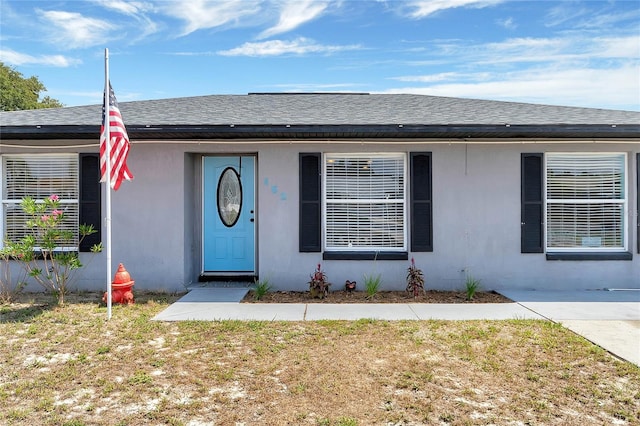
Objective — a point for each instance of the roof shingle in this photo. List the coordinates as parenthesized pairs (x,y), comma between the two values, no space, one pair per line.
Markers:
(323,109)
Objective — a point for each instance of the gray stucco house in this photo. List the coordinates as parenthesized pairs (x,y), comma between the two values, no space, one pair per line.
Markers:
(228,187)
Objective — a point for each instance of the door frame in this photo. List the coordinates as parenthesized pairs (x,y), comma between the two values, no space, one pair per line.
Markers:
(229,275)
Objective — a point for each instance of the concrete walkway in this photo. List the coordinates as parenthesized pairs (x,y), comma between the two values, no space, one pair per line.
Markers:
(610,319)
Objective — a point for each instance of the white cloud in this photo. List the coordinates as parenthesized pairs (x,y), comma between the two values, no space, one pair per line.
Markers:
(430,78)
(295,13)
(559,50)
(12,57)
(580,17)
(616,47)
(72,30)
(570,69)
(419,9)
(507,23)
(316,87)
(587,87)
(299,46)
(564,12)
(521,50)
(204,53)
(136,10)
(204,14)
(131,8)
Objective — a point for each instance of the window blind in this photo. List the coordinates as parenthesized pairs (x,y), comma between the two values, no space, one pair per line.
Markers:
(365,202)
(586,177)
(585,196)
(38,177)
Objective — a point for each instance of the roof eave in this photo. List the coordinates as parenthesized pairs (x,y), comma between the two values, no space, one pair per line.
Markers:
(312,131)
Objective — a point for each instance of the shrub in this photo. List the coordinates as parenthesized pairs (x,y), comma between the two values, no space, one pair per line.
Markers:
(39,251)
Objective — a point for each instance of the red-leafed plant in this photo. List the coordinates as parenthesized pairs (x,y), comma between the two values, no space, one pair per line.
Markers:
(415,280)
(318,285)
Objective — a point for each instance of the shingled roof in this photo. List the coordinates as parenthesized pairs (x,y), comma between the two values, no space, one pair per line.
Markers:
(312,115)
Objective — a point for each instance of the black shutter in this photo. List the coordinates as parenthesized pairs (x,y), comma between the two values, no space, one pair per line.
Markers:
(638,199)
(531,232)
(421,208)
(310,202)
(90,211)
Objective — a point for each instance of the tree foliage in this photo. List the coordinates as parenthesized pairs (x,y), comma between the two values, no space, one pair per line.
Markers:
(18,92)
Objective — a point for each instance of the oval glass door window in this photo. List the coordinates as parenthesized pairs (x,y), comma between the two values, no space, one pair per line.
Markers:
(229,197)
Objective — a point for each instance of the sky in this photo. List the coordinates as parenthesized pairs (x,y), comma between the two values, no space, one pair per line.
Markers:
(573,53)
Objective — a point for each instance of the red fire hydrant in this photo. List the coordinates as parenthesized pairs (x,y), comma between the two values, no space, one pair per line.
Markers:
(121,291)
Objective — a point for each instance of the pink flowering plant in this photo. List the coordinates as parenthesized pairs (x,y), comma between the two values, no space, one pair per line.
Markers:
(48,250)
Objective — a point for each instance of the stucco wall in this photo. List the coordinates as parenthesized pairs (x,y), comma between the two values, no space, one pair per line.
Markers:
(476,220)
(148,218)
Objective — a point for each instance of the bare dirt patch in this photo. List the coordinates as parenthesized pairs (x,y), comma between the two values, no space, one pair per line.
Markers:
(429,296)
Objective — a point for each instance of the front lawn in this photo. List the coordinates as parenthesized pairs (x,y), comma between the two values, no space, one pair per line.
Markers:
(70,366)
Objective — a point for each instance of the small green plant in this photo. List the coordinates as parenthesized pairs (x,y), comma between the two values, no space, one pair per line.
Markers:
(43,252)
(346,421)
(372,284)
(260,288)
(415,280)
(318,285)
(472,286)
(140,378)
(103,350)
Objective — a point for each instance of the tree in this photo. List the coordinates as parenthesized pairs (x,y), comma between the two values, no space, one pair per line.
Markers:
(18,92)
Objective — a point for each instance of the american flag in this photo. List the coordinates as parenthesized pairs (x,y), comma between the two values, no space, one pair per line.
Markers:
(119,143)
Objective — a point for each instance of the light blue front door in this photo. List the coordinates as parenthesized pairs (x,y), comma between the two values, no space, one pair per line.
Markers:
(228,214)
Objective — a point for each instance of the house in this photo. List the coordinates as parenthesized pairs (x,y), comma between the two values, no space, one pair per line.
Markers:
(229,187)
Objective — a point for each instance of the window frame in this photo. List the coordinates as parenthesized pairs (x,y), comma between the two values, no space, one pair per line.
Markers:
(553,252)
(5,201)
(365,252)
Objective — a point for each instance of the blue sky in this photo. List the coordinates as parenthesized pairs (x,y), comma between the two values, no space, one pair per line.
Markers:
(579,53)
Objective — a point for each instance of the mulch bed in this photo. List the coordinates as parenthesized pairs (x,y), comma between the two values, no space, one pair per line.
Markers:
(429,296)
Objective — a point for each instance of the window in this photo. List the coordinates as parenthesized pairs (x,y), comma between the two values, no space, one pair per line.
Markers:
(365,202)
(38,177)
(363,206)
(586,202)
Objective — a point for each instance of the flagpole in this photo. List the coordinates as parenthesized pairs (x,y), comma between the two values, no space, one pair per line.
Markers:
(107,133)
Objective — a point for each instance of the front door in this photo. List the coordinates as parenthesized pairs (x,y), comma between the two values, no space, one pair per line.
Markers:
(228,215)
